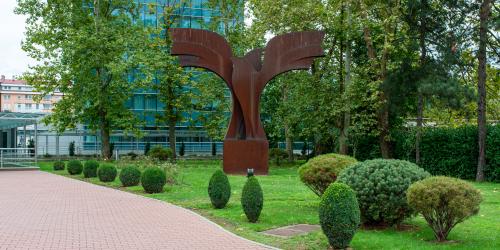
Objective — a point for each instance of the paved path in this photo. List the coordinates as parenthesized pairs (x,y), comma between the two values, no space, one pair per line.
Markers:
(39,210)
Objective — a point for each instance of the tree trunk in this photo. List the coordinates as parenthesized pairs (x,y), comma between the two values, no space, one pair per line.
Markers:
(381,66)
(105,137)
(288,136)
(484,13)
(172,138)
(383,126)
(344,132)
(423,61)
(289,144)
(418,138)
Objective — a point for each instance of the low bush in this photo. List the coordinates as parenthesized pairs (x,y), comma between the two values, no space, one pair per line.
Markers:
(444,202)
(132,155)
(252,199)
(380,186)
(219,189)
(74,167)
(339,215)
(107,172)
(130,176)
(159,153)
(153,179)
(59,165)
(90,169)
(277,154)
(319,172)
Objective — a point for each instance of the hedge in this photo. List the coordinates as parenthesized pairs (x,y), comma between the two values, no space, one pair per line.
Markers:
(444,151)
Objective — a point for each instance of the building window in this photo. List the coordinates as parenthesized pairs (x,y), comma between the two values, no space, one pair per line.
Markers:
(139,102)
(37,106)
(46,106)
(28,97)
(18,97)
(6,97)
(47,98)
(28,105)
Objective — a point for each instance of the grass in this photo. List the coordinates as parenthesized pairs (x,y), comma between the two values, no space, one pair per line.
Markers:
(287,201)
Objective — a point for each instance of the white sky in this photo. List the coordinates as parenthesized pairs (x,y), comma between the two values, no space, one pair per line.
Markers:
(13,60)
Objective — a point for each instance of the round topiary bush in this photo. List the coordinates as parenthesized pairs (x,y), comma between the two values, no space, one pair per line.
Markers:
(130,176)
(90,169)
(153,179)
(219,189)
(75,167)
(321,171)
(59,165)
(380,186)
(107,172)
(339,215)
(252,199)
(159,153)
(444,202)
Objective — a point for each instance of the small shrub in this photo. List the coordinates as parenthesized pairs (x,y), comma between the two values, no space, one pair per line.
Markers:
(90,169)
(319,172)
(153,179)
(130,176)
(74,167)
(339,215)
(59,165)
(219,189)
(444,202)
(214,149)
(132,155)
(182,151)
(278,155)
(147,147)
(71,148)
(159,153)
(380,186)
(107,172)
(252,199)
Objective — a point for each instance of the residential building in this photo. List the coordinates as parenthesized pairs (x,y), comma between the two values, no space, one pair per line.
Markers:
(18,96)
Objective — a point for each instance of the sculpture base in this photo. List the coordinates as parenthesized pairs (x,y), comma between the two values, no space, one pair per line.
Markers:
(240,155)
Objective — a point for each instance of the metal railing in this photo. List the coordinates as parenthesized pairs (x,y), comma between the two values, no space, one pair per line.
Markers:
(18,158)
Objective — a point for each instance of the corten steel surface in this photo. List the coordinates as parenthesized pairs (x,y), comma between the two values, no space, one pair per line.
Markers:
(245,144)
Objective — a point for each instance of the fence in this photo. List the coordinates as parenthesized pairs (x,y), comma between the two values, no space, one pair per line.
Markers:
(17,158)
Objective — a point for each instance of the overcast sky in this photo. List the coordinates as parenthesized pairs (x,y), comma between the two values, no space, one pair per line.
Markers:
(13,60)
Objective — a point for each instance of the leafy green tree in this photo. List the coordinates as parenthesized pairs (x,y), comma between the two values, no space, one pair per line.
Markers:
(172,82)
(87,49)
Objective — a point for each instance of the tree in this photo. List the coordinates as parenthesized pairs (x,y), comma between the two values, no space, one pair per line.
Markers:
(171,81)
(87,49)
(484,14)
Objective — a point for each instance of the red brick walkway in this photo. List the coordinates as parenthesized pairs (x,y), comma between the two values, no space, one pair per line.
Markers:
(44,211)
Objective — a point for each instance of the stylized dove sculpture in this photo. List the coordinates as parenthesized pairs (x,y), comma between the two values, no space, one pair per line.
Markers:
(246,77)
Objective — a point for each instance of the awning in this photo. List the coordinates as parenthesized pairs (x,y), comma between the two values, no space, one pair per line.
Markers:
(15,119)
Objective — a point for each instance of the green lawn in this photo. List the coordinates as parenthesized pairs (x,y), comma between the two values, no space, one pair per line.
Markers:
(287,201)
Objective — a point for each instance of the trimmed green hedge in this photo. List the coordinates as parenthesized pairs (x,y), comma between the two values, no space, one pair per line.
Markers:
(90,168)
(444,151)
(219,189)
(339,215)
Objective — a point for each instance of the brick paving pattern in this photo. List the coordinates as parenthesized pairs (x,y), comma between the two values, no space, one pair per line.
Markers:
(39,210)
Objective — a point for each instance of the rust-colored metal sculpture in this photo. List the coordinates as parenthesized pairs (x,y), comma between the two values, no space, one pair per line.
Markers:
(245,144)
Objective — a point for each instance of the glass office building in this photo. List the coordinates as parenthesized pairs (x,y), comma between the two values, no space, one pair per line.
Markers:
(145,103)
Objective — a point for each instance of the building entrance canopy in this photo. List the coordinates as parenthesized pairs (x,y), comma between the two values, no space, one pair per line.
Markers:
(14,119)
